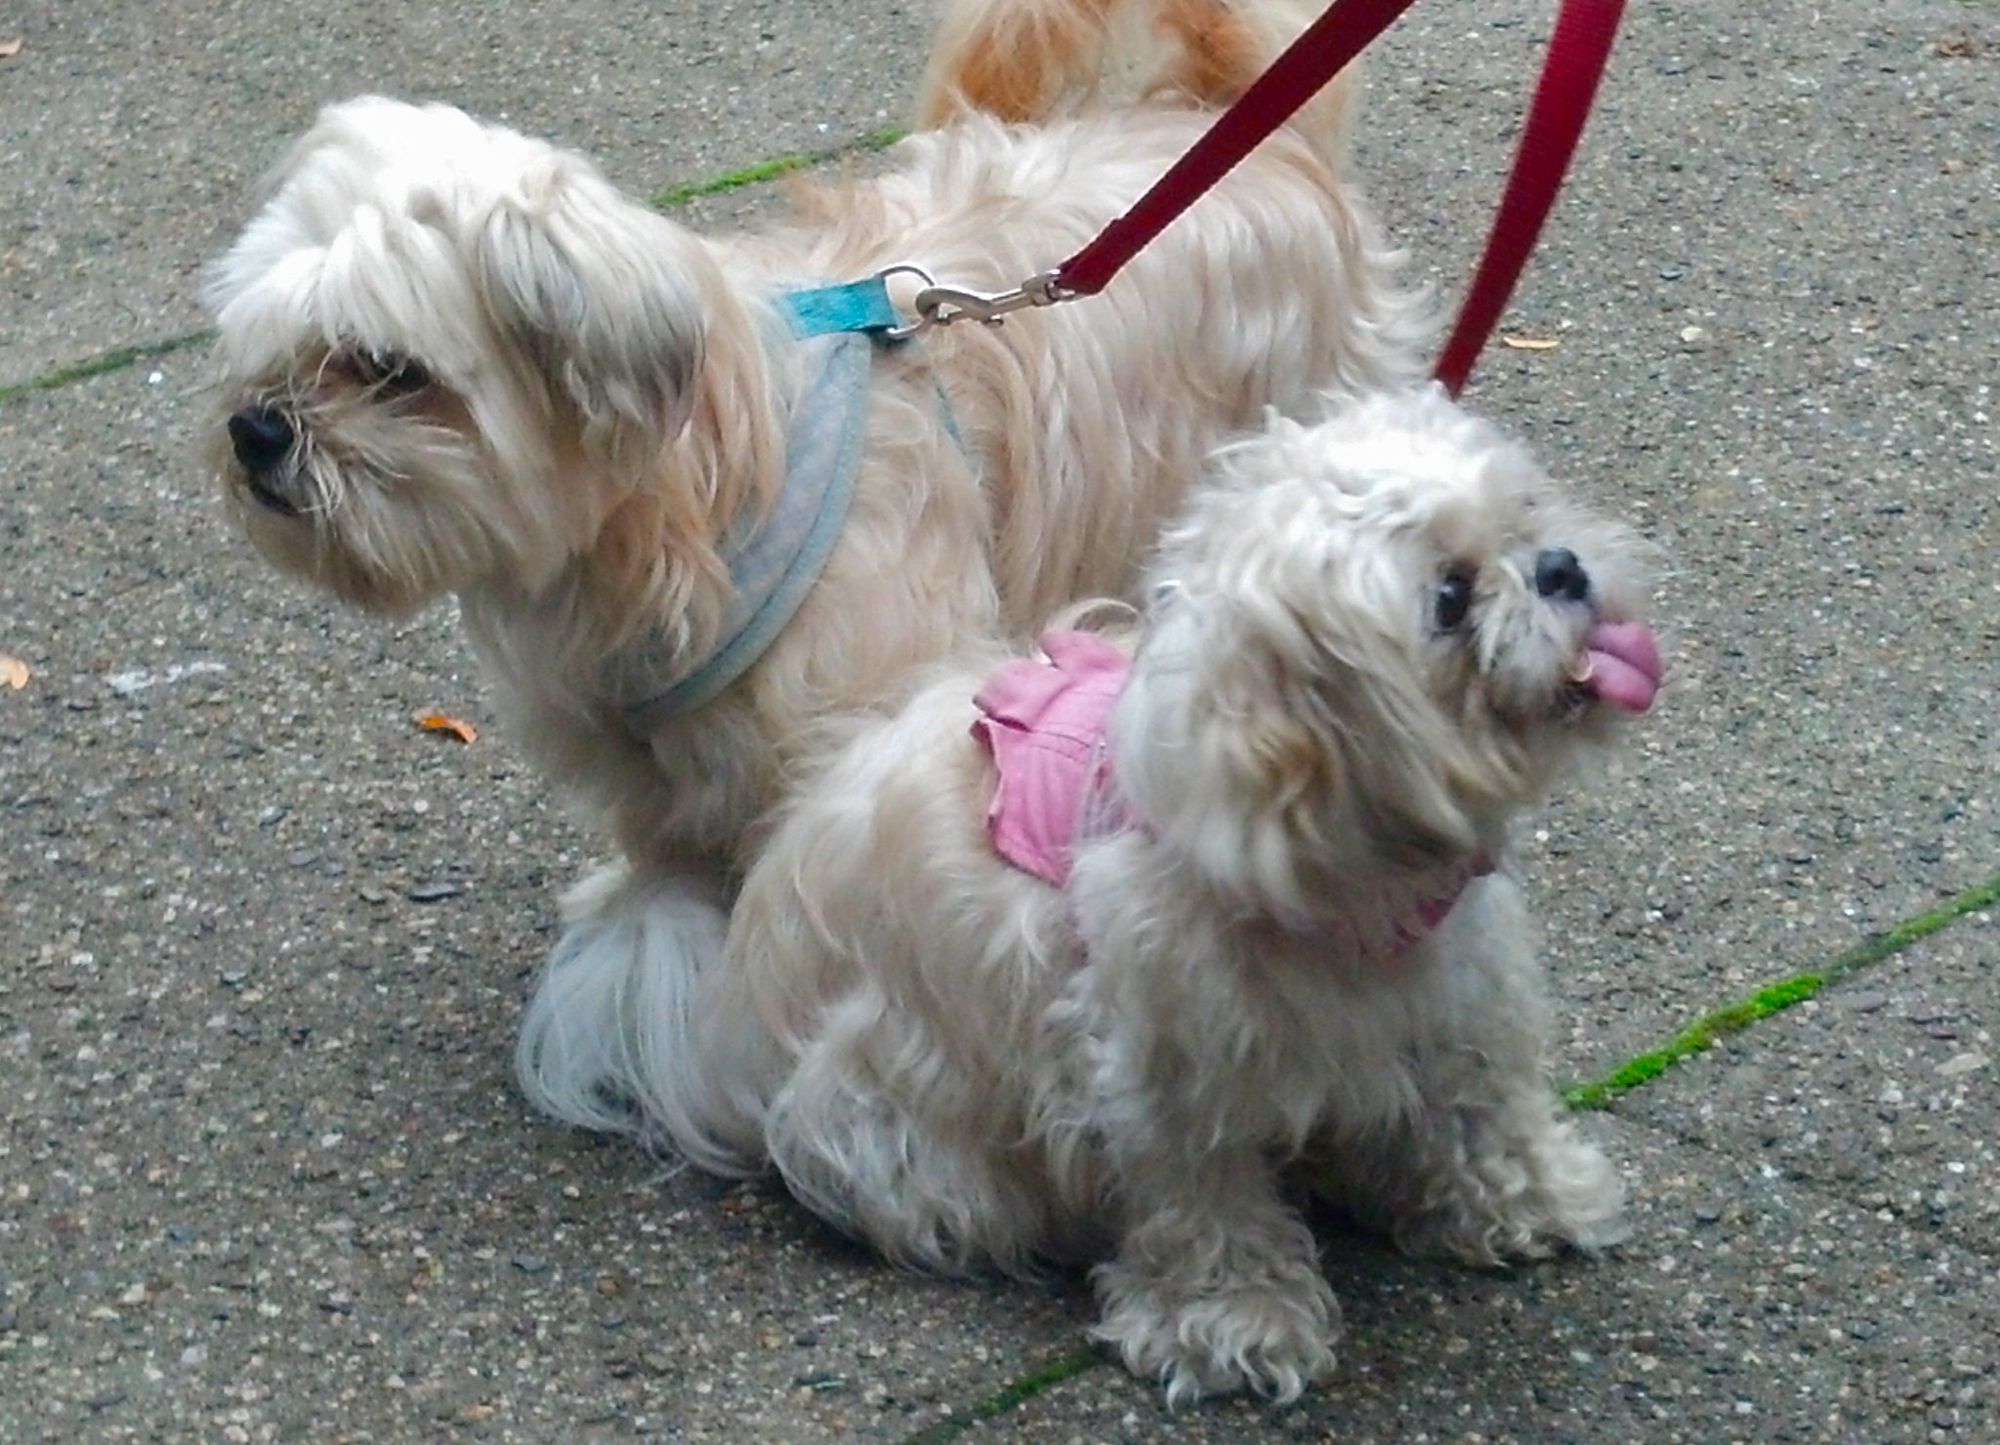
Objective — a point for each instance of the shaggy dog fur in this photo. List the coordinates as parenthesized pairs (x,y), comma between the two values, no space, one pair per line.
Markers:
(1374,642)
(458,362)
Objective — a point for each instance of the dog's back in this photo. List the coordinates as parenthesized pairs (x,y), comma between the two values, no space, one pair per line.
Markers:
(1029,60)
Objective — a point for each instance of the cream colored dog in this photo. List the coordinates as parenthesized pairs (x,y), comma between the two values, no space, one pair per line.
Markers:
(1288,936)
(458,362)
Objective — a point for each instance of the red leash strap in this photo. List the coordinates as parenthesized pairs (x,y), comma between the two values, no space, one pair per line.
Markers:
(1307,64)
(1575,63)
(1571,71)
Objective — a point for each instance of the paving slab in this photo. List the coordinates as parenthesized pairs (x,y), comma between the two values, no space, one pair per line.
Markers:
(131,136)
(1778,339)
(1882,1090)
(263,1174)
(263,1171)
(1748,1306)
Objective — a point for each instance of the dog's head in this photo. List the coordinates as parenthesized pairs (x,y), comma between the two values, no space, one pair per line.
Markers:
(1373,640)
(447,349)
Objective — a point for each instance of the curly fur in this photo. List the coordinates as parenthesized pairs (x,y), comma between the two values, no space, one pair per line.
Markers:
(964,1065)
(599,402)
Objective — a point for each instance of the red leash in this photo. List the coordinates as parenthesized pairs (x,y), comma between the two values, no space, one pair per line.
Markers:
(1322,50)
(1571,71)
(1575,63)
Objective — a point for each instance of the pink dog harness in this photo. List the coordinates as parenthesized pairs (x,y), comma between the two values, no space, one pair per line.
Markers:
(1044,724)
(1043,720)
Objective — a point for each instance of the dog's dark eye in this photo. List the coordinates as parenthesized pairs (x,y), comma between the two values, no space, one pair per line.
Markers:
(1454,599)
(386,371)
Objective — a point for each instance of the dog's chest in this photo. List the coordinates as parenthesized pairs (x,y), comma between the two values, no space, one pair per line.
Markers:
(1341,1052)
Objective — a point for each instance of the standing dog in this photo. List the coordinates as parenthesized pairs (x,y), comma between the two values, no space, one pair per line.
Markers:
(458,362)
(1286,932)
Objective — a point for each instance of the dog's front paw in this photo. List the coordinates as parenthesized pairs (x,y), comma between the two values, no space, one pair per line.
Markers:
(1526,1201)
(1585,1200)
(1274,1336)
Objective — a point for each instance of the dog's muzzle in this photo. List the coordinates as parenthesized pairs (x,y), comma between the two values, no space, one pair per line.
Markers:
(262,439)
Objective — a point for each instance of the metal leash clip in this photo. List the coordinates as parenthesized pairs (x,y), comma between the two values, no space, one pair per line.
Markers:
(941,305)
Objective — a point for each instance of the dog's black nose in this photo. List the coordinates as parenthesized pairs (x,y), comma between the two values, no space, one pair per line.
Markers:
(1559,574)
(261,437)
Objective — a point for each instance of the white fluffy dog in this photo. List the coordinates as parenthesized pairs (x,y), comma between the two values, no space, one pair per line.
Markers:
(457,361)
(1288,935)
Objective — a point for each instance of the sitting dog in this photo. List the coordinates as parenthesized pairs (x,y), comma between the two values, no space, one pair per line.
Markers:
(1076,954)
(681,537)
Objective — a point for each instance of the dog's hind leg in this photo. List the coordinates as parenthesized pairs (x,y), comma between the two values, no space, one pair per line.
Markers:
(1489,1177)
(877,1132)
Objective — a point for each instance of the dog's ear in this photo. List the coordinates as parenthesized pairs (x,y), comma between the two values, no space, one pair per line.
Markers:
(1280,768)
(1405,776)
(596,290)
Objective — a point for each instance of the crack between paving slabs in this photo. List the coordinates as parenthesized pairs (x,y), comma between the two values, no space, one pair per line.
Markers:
(118,358)
(1775,998)
(1697,1038)
(1600,1094)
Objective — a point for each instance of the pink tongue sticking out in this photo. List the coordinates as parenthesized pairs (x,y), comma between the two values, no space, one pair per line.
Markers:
(1625,665)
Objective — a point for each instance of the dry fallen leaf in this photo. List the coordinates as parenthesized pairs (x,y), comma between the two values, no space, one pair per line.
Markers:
(1530,343)
(437,722)
(9,48)
(13,672)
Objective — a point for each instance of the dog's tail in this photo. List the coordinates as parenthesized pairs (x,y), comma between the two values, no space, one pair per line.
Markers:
(1030,60)
(623,1034)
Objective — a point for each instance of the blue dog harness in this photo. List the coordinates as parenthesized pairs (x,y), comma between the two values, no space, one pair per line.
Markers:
(774,560)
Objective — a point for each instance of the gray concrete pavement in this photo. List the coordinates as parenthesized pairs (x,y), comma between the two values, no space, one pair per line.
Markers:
(131,136)
(1749,1306)
(1882,1092)
(263,1175)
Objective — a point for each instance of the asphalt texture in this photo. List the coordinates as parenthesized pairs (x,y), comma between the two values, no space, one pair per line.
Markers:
(263,942)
